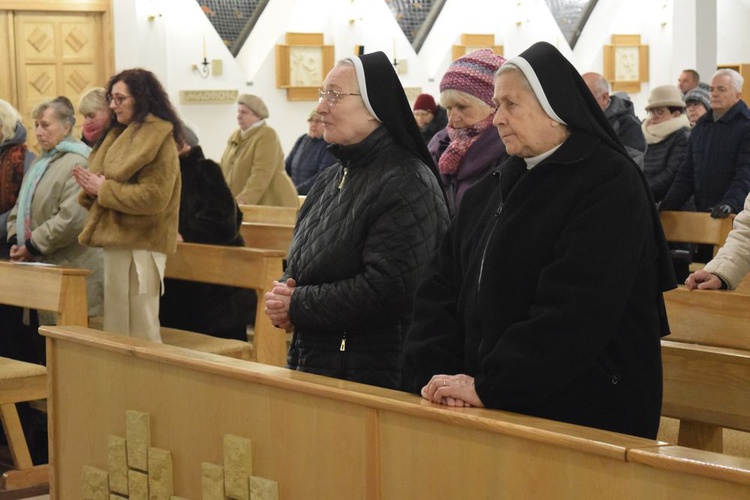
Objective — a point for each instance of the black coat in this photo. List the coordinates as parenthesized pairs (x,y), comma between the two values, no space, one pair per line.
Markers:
(363,238)
(548,294)
(208,215)
(662,161)
(717,164)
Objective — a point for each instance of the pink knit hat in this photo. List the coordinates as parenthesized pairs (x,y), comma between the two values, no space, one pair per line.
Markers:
(474,74)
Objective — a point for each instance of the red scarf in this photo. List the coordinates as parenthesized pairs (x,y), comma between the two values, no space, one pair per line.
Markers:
(461,141)
(11,175)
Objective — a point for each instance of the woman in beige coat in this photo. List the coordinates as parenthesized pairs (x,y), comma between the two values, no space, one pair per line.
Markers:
(44,224)
(253,162)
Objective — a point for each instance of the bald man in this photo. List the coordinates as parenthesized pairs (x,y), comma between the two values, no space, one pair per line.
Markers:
(620,114)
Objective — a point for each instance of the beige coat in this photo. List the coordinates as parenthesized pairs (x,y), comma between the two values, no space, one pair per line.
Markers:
(56,221)
(253,166)
(139,201)
(732,262)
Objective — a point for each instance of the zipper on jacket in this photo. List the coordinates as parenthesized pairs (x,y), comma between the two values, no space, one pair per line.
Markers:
(343,179)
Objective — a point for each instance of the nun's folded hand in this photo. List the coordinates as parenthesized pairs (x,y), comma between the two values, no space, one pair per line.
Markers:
(278,302)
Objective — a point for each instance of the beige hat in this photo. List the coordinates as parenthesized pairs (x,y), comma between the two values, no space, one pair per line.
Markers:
(665,95)
(255,103)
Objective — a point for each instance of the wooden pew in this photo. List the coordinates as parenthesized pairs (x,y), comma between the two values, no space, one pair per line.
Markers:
(320,437)
(696,227)
(269,236)
(706,363)
(47,288)
(269,215)
(233,266)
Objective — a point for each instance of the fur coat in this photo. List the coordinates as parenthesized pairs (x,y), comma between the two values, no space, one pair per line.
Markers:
(138,203)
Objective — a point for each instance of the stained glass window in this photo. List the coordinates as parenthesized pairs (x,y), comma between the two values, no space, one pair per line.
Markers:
(233,19)
(415,17)
(571,17)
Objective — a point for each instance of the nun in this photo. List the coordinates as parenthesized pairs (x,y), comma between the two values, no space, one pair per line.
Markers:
(546,295)
(364,235)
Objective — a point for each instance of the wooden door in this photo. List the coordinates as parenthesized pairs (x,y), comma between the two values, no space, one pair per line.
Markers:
(56,54)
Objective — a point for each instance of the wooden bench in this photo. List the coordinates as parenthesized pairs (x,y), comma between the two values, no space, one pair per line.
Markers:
(367,442)
(696,227)
(269,215)
(232,266)
(47,288)
(267,236)
(706,363)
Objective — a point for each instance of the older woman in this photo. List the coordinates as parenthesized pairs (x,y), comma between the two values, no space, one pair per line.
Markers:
(309,155)
(698,103)
(365,233)
(666,130)
(253,162)
(15,159)
(468,147)
(46,220)
(97,117)
(545,297)
(132,191)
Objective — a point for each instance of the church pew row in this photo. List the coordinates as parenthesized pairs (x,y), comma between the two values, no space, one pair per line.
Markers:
(695,227)
(267,235)
(266,214)
(318,437)
(49,288)
(706,363)
(233,266)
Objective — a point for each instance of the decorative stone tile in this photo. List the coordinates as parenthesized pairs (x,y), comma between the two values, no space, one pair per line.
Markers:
(263,489)
(95,483)
(159,474)
(238,466)
(212,482)
(138,485)
(138,435)
(117,463)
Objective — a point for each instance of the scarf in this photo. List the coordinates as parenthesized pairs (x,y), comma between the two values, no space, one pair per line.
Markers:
(656,133)
(31,180)
(461,141)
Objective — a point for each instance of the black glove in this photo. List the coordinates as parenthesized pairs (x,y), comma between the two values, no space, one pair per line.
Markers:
(721,211)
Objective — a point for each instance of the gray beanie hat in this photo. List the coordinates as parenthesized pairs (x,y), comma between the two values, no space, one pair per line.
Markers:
(255,103)
(699,95)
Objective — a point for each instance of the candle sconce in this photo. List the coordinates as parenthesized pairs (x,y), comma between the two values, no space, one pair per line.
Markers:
(203,68)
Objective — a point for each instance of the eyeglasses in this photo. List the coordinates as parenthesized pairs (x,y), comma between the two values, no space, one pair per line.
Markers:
(118,99)
(332,96)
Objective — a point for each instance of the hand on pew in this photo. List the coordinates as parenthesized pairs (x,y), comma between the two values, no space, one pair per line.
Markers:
(21,254)
(452,390)
(278,301)
(703,280)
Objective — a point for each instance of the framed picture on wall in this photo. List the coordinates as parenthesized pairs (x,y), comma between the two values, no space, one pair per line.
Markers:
(626,63)
(302,64)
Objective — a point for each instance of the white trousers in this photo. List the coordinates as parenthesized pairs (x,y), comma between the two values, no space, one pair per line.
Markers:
(132,282)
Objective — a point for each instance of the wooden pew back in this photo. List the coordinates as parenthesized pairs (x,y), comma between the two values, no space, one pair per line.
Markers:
(269,215)
(267,236)
(368,442)
(240,267)
(695,227)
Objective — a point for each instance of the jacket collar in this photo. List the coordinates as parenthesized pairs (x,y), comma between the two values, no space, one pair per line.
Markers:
(736,109)
(362,153)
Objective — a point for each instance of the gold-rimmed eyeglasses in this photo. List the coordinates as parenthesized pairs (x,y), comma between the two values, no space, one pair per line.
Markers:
(332,96)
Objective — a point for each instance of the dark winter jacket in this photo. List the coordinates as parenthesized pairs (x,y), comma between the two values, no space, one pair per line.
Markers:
(547,292)
(438,123)
(487,153)
(621,116)
(662,161)
(15,159)
(363,238)
(717,165)
(307,159)
(209,215)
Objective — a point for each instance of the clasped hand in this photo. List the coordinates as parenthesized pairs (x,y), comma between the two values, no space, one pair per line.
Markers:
(89,181)
(278,301)
(452,390)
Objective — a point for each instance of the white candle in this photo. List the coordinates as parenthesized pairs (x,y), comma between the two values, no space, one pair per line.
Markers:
(394,49)
(204,47)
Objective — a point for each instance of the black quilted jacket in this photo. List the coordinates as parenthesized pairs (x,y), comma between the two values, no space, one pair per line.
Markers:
(364,235)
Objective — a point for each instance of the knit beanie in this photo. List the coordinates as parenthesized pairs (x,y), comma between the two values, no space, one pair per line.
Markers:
(474,74)
(699,95)
(255,103)
(425,102)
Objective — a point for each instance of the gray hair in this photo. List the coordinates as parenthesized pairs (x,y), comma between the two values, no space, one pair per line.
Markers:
(62,110)
(451,97)
(93,100)
(734,77)
(9,119)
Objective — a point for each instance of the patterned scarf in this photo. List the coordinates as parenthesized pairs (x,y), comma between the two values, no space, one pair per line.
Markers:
(32,178)
(11,174)
(461,141)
